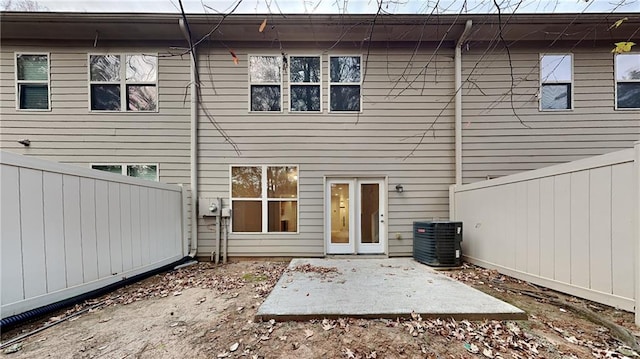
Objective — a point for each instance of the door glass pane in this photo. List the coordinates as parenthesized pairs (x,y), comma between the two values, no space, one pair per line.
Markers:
(370,213)
(339,213)
(283,216)
(246,216)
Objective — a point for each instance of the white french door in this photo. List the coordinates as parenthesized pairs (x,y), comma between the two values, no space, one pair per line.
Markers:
(355,212)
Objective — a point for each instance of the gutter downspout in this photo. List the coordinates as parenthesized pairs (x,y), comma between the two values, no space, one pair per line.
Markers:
(193,171)
(458,100)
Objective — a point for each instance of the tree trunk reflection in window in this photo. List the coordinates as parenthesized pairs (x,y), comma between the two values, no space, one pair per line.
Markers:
(345,83)
(304,78)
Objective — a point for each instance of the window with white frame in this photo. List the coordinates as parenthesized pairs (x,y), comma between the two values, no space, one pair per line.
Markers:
(147,171)
(123,82)
(345,83)
(32,82)
(556,78)
(627,81)
(264,199)
(265,82)
(304,84)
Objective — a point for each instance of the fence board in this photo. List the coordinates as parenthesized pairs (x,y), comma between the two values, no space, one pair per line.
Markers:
(68,230)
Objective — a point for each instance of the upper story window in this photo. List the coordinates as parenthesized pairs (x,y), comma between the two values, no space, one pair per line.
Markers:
(32,82)
(345,82)
(304,84)
(148,172)
(556,78)
(123,82)
(265,80)
(264,199)
(628,81)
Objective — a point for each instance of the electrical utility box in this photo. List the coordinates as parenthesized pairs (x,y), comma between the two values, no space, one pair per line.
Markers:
(437,244)
(207,207)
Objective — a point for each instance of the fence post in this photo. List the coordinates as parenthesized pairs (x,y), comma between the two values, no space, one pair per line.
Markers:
(637,236)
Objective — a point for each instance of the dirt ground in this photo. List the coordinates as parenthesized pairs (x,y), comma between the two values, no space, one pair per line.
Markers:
(204,311)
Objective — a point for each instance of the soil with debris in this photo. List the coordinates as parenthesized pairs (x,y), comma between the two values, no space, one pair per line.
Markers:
(204,311)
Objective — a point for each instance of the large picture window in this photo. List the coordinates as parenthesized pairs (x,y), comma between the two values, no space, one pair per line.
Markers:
(556,77)
(123,82)
(265,82)
(627,81)
(304,84)
(264,198)
(32,82)
(345,83)
(148,172)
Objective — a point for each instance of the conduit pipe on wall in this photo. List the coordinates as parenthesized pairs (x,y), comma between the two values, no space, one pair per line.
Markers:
(458,100)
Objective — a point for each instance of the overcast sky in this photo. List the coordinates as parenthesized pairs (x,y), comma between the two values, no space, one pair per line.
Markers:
(342,6)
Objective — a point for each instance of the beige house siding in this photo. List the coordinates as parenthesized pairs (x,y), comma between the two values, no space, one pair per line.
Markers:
(496,144)
(375,143)
(70,133)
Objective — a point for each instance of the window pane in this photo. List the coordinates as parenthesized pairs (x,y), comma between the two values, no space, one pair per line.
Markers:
(105,67)
(304,69)
(345,69)
(246,182)
(33,67)
(117,169)
(105,97)
(282,182)
(33,97)
(283,216)
(629,95)
(345,98)
(265,98)
(555,68)
(305,98)
(148,172)
(246,216)
(141,68)
(142,98)
(628,67)
(556,97)
(265,69)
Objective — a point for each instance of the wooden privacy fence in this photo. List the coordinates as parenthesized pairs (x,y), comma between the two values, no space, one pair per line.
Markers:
(571,227)
(67,230)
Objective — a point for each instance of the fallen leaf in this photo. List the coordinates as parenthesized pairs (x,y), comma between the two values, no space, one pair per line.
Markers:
(175,294)
(488,353)
(263,25)
(471,348)
(308,333)
(264,337)
(224,355)
(234,347)
(14,348)
(622,47)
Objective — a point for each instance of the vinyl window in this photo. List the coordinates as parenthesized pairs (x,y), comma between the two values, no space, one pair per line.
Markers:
(345,83)
(265,83)
(305,93)
(120,82)
(627,81)
(32,82)
(264,199)
(556,82)
(144,171)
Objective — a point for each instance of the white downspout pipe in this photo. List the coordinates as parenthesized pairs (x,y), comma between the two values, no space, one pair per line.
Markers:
(193,170)
(458,100)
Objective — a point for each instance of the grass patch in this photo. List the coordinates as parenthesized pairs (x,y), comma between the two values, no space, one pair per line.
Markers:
(250,277)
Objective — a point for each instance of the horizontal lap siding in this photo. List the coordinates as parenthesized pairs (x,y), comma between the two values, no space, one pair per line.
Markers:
(373,143)
(496,144)
(70,133)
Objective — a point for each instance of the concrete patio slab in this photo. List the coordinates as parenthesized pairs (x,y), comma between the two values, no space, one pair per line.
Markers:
(376,288)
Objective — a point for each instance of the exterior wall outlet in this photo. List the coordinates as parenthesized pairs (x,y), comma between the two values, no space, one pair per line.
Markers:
(398,236)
